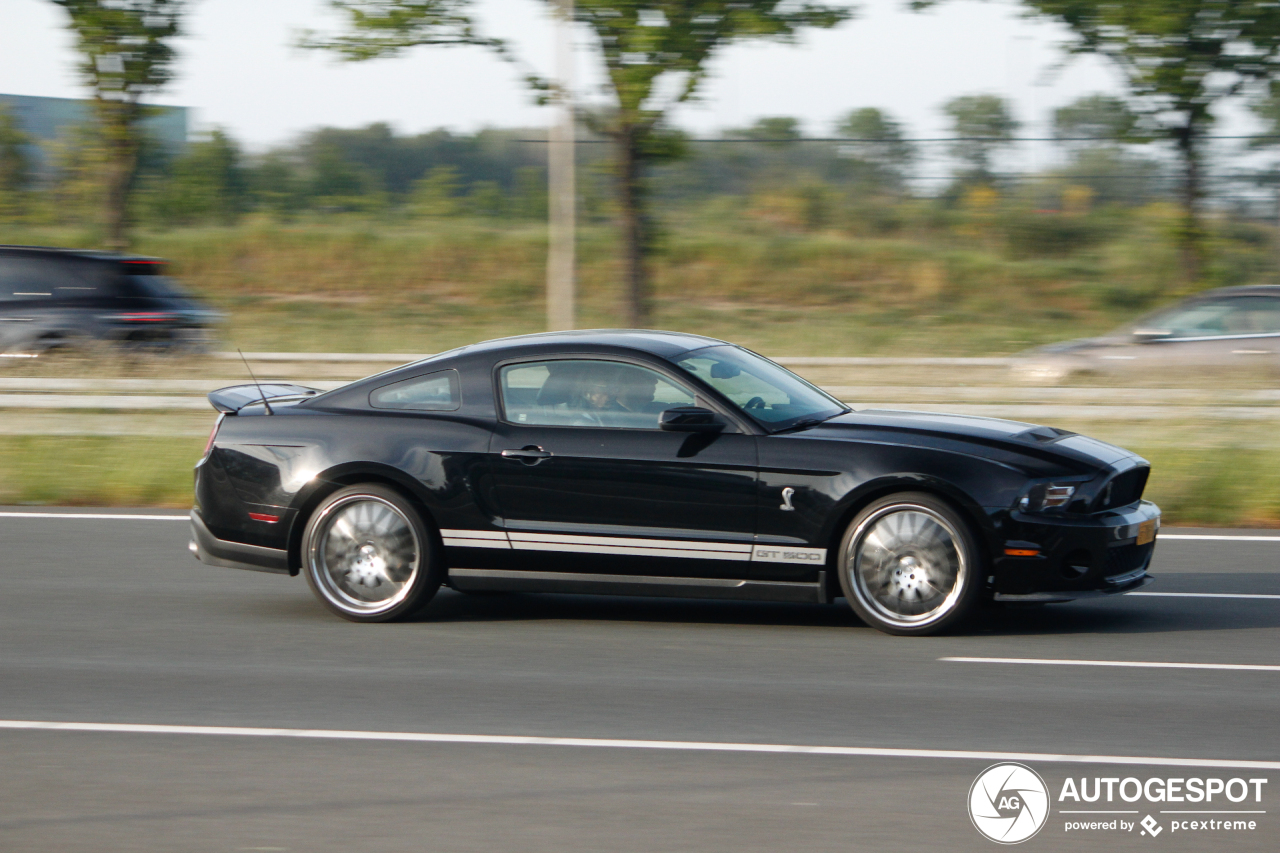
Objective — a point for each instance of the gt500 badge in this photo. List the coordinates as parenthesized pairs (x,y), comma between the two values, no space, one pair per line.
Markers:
(774,554)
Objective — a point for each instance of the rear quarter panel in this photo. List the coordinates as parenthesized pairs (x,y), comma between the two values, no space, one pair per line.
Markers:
(283,465)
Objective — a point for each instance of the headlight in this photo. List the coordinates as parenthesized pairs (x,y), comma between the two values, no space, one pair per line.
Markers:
(1050,496)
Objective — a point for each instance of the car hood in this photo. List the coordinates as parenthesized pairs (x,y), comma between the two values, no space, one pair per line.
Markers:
(1028,439)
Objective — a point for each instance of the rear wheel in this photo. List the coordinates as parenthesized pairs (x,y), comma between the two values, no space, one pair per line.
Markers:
(368,556)
(909,565)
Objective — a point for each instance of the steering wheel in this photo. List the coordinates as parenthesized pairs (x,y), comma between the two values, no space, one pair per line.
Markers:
(755,403)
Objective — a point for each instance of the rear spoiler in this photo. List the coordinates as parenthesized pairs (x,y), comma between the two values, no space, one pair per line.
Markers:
(233,399)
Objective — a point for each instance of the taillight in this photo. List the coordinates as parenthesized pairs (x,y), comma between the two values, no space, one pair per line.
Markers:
(213,434)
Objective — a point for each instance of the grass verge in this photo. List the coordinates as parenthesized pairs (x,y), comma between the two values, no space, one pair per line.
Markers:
(97,471)
(429,286)
(1235,484)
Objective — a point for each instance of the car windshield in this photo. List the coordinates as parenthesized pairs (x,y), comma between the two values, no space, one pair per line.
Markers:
(770,394)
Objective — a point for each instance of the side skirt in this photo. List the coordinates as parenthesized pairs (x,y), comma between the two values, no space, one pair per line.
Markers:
(589,584)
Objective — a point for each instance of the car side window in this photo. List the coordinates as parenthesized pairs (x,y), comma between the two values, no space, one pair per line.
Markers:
(45,279)
(1257,315)
(1238,315)
(584,392)
(435,392)
(27,279)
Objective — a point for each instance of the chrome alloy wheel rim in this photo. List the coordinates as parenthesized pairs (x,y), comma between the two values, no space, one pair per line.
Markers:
(364,554)
(906,564)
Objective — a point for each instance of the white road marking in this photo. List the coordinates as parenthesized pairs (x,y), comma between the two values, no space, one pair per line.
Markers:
(615,743)
(99,516)
(1209,537)
(1212,811)
(1202,595)
(1140,664)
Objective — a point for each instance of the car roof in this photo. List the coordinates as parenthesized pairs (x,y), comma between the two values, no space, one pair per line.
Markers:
(665,345)
(89,254)
(659,343)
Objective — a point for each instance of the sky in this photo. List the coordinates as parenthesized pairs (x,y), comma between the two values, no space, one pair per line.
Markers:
(240,70)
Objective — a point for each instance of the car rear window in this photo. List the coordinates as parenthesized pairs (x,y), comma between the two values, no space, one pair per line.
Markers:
(435,392)
(151,285)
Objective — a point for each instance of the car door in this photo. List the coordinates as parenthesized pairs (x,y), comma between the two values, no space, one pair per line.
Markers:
(587,482)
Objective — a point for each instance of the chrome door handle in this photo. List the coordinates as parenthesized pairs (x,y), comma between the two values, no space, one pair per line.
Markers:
(532,452)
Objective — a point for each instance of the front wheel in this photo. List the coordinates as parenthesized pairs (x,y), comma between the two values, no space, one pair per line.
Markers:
(909,565)
(367,555)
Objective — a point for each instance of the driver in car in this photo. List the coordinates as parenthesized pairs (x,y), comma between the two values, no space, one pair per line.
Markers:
(597,399)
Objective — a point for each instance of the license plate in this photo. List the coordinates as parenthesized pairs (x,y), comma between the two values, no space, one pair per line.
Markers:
(1147,532)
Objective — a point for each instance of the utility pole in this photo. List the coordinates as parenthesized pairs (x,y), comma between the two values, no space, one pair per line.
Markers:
(1277,238)
(560,175)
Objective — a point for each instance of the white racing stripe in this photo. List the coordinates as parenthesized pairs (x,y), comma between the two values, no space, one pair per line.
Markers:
(99,516)
(1139,664)
(475,539)
(615,743)
(1203,595)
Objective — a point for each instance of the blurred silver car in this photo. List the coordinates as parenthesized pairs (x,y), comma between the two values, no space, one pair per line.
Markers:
(1228,327)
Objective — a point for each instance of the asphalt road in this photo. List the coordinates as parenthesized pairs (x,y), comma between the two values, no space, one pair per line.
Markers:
(111,621)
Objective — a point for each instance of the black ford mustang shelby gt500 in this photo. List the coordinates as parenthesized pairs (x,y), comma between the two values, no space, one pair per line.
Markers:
(655,463)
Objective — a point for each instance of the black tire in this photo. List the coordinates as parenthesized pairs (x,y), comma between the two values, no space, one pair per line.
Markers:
(909,565)
(369,556)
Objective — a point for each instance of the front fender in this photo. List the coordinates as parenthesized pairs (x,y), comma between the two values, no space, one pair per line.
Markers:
(854,501)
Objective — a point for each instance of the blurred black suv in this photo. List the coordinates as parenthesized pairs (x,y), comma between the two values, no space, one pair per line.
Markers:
(56,298)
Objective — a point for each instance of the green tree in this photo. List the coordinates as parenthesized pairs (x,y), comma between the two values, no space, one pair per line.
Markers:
(877,147)
(15,166)
(274,184)
(126,53)
(485,198)
(1095,129)
(78,162)
(437,194)
(775,130)
(208,182)
(530,197)
(646,47)
(1179,59)
(1095,120)
(982,125)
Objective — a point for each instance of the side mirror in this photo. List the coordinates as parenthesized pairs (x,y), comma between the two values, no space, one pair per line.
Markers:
(1144,336)
(690,419)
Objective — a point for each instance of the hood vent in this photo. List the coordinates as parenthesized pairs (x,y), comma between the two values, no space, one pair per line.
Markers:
(1043,434)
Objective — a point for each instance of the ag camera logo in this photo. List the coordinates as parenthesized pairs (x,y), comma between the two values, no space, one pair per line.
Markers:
(1008,803)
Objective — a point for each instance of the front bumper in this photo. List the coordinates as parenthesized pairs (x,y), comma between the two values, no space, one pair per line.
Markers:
(1079,556)
(213,551)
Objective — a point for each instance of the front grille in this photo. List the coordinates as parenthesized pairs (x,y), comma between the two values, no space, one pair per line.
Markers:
(1124,559)
(1123,489)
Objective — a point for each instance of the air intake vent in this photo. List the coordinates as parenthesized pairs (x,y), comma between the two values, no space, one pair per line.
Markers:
(1123,489)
